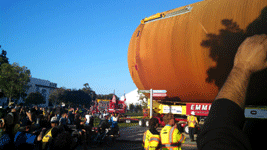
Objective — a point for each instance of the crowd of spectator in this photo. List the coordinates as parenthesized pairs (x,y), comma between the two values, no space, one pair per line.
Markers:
(35,128)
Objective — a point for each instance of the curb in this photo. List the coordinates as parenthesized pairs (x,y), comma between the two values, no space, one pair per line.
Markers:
(185,144)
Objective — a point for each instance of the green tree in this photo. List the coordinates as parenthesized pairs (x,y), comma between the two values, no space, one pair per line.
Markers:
(107,96)
(131,107)
(76,97)
(138,108)
(87,89)
(3,58)
(35,98)
(143,99)
(14,80)
(57,96)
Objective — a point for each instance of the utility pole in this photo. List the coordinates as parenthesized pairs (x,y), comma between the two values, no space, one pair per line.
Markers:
(151,101)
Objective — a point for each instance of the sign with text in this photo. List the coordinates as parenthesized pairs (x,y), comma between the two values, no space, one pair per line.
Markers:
(143,91)
(172,109)
(159,94)
(200,109)
(159,91)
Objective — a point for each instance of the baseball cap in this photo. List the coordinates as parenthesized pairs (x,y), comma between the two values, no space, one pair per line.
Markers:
(54,120)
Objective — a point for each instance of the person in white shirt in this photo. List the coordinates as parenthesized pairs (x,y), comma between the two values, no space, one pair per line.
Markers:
(88,118)
(104,114)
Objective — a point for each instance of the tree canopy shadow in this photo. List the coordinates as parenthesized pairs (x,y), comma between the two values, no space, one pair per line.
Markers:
(223,48)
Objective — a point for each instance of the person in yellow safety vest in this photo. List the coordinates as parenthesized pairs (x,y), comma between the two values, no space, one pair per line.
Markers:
(151,138)
(192,122)
(46,136)
(171,138)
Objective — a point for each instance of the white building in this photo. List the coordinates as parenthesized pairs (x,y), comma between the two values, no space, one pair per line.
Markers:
(132,97)
(45,87)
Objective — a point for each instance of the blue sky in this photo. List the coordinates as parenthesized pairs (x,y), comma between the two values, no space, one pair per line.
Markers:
(75,42)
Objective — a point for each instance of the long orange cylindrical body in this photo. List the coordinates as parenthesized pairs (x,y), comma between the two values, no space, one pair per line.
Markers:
(168,53)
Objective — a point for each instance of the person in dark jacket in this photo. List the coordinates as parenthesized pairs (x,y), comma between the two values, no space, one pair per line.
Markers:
(5,139)
(12,123)
(71,115)
(24,137)
(223,127)
(103,124)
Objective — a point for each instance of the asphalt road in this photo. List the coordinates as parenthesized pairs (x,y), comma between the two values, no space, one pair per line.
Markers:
(134,145)
(131,139)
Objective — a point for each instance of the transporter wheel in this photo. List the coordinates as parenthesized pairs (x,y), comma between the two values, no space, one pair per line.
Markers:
(147,123)
(186,129)
(141,123)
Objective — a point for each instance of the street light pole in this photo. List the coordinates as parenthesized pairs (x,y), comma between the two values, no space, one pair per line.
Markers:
(151,101)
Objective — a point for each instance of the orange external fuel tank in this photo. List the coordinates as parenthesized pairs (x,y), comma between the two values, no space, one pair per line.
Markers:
(189,51)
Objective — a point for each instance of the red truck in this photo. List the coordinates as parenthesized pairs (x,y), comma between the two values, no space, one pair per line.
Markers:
(112,106)
(180,111)
(117,106)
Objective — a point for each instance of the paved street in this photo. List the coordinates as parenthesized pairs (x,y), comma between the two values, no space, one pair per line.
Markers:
(134,133)
(131,139)
(135,145)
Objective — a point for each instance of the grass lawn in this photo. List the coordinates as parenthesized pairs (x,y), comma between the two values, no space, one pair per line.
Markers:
(121,125)
(133,114)
(137,117)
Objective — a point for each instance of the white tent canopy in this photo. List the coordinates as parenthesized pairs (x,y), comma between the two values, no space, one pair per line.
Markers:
(132,97)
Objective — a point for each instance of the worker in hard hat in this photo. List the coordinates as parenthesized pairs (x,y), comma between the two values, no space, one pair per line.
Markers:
(192,122)
(151,138)
(171,137)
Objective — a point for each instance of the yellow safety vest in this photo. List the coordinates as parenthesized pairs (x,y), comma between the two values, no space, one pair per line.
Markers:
(47,138)
(171,138)
(44,113)
(192,120)
(151,141)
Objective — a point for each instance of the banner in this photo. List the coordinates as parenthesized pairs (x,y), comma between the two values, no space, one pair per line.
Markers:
(200,109)
(172,109)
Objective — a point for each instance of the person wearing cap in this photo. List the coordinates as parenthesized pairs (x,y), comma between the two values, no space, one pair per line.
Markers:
(192,122)
(46,136)
(55,138)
